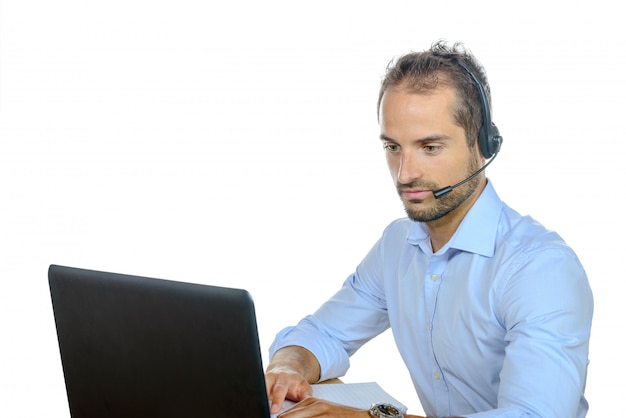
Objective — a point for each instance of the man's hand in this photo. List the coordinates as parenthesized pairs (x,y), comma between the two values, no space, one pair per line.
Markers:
(313,407)
(284,383)
(289,375)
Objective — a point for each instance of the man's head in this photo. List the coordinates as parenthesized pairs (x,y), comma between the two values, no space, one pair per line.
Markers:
(430,115)
(423,72)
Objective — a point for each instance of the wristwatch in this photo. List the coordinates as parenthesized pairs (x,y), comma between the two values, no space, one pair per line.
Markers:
(385,410)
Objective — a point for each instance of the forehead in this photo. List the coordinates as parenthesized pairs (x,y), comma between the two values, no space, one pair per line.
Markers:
(400,107)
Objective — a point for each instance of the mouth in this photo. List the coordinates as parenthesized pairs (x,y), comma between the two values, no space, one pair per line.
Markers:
(415,194)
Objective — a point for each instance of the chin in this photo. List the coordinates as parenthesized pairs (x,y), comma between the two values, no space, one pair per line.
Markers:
(425,214)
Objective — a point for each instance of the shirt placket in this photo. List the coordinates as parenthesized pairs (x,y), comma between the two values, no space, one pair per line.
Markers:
(432,286)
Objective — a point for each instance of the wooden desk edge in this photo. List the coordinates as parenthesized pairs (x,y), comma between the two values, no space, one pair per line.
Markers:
(330,381)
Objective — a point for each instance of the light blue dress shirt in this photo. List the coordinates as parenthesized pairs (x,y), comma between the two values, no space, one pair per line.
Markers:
(494,324)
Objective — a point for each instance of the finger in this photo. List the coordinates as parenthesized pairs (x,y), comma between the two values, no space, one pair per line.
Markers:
(300,409)
(277,397)
(281,386)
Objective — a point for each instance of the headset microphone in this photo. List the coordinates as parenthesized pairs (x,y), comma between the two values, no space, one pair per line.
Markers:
(489,139)
(445,190)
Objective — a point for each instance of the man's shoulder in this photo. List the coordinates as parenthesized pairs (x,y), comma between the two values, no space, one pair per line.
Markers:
(528,234)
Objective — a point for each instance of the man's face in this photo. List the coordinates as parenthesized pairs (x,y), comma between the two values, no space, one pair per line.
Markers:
(427,151)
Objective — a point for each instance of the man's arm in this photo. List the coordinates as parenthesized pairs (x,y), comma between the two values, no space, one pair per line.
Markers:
(289,376)
(312,407)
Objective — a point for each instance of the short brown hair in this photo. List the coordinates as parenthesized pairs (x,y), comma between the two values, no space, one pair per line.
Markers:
(423,72)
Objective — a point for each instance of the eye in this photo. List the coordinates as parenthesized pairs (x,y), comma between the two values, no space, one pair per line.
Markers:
(391,147)
(432,149)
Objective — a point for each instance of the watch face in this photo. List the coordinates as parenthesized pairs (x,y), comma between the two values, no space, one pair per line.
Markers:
(386,410)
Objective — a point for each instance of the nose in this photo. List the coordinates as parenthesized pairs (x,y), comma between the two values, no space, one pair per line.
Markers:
(408,169)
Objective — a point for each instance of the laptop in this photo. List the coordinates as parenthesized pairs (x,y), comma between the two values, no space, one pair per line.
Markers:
(136,347)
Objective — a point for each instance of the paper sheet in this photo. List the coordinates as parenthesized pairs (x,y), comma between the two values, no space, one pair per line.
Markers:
(357,395)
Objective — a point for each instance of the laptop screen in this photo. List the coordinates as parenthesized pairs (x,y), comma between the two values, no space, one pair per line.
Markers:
(143,347)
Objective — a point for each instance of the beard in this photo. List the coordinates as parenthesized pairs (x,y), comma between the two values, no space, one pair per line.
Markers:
(444,205)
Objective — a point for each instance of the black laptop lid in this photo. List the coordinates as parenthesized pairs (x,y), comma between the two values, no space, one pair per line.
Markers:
(142,347)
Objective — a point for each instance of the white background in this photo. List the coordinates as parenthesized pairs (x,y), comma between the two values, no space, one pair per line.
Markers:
(236,143)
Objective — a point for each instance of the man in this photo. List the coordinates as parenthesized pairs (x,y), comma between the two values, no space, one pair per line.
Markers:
(490,311)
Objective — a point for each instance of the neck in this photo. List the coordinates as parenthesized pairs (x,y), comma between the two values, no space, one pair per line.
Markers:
(442,229)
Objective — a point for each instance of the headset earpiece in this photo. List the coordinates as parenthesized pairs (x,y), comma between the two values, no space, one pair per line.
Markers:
(489,139)
(490,145)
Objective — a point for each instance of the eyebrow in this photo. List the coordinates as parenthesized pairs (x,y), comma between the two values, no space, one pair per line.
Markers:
(427,139)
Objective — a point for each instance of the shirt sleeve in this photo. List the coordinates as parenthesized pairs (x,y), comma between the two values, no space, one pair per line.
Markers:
(546,307)
(354,315)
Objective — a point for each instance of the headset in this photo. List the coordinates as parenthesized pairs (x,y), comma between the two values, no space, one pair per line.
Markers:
(489,139)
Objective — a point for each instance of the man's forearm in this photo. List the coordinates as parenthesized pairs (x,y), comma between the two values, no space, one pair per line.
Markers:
(298,359)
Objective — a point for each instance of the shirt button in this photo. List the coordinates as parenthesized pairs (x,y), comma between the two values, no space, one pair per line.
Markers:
(437,375)
(428,326)
(434,277)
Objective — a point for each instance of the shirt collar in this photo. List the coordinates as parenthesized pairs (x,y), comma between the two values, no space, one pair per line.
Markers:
(476,233)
